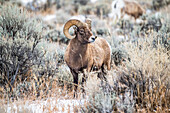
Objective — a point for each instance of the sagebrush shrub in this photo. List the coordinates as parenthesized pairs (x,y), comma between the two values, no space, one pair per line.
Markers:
(56,36)
(17,57)
(101,96)
(157,4)
(19,36)
(82,2)
(17,22)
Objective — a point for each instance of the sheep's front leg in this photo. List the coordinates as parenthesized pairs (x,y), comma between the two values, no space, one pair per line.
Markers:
(75,78)
(84,78)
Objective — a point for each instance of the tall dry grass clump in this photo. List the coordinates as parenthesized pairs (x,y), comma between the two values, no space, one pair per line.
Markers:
(147,73)
(149,65)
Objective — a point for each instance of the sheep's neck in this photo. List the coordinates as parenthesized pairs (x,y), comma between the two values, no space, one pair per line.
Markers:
(78,47)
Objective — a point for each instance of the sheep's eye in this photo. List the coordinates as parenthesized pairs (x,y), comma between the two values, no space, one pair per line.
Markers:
(81,31)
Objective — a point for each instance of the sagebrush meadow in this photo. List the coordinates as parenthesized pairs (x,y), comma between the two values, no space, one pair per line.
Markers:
(34,77)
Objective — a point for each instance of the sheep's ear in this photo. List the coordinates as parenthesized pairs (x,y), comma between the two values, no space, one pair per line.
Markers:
(75,28)
(88,21)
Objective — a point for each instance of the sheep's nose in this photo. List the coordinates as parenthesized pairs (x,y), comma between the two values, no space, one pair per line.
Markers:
(93,38)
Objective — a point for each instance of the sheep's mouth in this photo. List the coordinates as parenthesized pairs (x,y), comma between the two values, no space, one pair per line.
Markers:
(92,39)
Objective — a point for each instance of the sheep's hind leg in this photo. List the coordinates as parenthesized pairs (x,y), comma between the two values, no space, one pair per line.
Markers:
(102,74)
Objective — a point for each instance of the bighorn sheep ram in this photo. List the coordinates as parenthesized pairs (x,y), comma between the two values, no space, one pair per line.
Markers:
(122,7)
(84,50)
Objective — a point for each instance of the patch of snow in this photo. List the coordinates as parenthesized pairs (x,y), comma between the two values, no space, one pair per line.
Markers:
(122,37)
(139,21)
(45,106)
(148,11)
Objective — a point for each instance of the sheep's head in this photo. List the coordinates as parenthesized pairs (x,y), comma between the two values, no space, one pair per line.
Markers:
(82,31)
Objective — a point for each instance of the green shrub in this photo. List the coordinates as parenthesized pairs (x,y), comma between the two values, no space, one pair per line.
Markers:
(17,57)
(160,25)
(82,2)
(64,77)
(3,1)
(52,35)
(19,37)
(56,36)
(118,55)
(51,61)
(125,26)
(16,22)
(152,23)
(101,96)
(102,31)
(157,4)
(52,64)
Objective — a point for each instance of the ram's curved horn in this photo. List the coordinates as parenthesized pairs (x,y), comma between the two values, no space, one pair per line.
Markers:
(70,23)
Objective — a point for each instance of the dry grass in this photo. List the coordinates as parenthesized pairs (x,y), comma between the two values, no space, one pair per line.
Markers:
(154,64)
(47,98)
